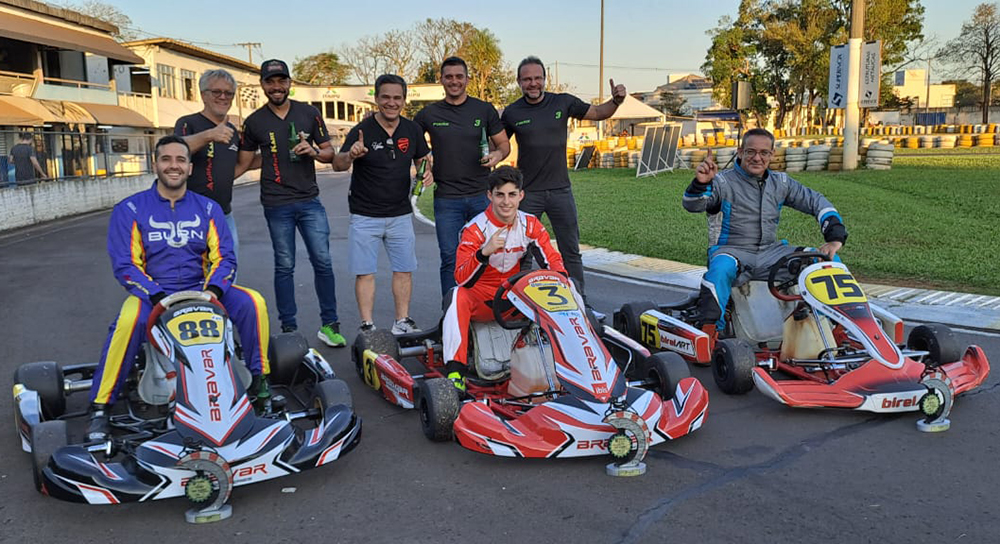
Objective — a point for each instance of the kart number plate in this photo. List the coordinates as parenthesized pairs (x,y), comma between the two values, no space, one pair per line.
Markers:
(551,296)
(196,328)
(833,286)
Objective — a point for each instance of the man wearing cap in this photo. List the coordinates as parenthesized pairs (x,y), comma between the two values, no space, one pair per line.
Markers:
(290,136)
(214,144)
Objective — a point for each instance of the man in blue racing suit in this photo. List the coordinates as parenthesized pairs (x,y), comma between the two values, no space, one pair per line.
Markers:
(164,240)
(743,206)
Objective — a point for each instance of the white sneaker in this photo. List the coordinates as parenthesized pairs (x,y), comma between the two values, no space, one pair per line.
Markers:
(404,326)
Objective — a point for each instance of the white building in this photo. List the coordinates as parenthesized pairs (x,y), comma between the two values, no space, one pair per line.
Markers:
(913,84)
(695,90)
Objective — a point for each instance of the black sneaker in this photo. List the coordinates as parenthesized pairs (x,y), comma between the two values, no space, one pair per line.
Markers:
(289,328)
(366,326)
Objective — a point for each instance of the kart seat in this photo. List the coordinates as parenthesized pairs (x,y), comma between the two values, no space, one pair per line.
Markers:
(492,347)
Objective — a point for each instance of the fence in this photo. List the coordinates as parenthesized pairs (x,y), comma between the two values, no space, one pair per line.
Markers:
(72,155)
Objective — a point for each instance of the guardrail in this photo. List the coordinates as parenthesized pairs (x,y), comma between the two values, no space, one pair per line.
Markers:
(76,83)
(16,83)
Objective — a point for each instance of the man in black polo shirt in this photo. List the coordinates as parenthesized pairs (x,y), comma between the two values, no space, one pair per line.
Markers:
(381,148)
(457,126)
(538,120)
(214,144)
(290,136)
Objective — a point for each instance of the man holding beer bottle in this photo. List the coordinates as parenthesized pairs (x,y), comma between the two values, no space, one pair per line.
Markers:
(461,130)
(290,136)
(381,148)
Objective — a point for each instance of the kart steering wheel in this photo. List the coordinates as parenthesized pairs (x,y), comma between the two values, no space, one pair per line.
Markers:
(500,299)
(793,262)
(170,300)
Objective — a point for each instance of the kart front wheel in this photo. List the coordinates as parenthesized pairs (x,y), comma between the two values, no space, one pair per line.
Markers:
(938,340)
(330,393)
(285,354)
(665,370)
(381,341)
(46,438)
(732,366)
(627,319)
(438,407)
(45,378)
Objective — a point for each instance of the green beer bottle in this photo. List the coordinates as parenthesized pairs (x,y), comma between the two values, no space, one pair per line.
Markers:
(484,147)
(418,186)
(293,140)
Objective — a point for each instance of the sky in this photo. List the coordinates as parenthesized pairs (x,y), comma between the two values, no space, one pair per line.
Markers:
(644,40)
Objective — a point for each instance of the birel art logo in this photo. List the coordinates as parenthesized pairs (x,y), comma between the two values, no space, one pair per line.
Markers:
(211,385)
(176,235)
(675,343)
(890,403)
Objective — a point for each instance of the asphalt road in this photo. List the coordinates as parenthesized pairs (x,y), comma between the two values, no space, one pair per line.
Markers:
(756,472)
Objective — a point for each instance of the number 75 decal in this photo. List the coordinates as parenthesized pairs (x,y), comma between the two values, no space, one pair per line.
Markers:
(834,286)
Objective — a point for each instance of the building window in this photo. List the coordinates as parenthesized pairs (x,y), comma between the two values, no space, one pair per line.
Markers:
(189,85)
(341,111)
(330,111)
(167,86)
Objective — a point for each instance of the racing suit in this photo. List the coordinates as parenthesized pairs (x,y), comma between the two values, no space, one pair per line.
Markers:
(743,213)
(478,275)
(157,249)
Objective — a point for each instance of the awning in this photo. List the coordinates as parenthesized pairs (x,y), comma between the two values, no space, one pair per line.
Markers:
(10,114)
(49,111)
(107,114)
(34,31)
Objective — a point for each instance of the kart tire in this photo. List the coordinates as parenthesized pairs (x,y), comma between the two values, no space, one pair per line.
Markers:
(937,339)
(381,341)
(665,369)
(330,393)
(733,362)
(627,319)
(286,353)
(46,438)
(438,406)
(46,378)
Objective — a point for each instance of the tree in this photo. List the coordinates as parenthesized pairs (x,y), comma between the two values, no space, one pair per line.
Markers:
(977,50)
(390,53)
(967,94)
(109,14)
(490,78)
(321,69)
(672,103)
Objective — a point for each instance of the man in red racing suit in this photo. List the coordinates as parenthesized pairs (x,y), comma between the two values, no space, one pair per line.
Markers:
(490,251)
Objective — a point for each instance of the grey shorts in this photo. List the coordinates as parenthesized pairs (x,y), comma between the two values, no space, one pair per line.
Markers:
(395,233)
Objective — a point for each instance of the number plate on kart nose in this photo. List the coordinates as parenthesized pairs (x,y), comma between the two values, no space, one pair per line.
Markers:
(551,296)
(196,328)
(834,286)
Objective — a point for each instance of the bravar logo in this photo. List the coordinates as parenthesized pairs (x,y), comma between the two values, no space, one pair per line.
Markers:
(440,124)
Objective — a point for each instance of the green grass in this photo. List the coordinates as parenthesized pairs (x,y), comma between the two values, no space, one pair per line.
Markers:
(929,222)
(949,150)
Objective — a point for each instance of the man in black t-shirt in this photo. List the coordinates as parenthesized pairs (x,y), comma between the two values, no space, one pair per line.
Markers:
(457,126)
(381,148)
(24,159)
(291,136)
(538,120)
(214,144)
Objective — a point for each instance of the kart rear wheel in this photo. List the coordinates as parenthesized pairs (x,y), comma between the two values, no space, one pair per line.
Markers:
(46,378)
(285,353)
(733,362)
(937,339)
(330,393)
(627,319)
(438,407)
(665,369)
(46,438)
(380,341)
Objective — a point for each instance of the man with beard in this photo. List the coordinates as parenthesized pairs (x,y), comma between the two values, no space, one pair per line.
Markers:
(214,144)
(456,126)
(382,148)
(291,136)
(164,240)
(538,120)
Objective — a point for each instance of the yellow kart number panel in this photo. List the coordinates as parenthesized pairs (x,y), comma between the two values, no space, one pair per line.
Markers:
(368,369)
(649,332)
(196,328)
(834,286)
(551,296)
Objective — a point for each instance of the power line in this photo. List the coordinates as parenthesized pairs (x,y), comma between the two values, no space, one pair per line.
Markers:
(637,68)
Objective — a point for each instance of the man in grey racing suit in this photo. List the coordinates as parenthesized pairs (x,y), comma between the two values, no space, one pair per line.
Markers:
(743,206)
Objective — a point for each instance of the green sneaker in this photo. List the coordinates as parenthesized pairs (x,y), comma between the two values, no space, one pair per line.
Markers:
(458,380)
(330,335)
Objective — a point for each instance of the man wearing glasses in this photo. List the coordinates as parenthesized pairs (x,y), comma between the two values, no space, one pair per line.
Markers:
(743,206)
(214,144)
(381,148)
(290,136)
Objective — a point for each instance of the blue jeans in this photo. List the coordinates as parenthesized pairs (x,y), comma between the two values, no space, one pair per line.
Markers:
(309,217)
(450,215)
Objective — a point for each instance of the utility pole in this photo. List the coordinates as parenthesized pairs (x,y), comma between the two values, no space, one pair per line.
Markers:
(852,113)
(600,77)
(249,46)
(927,99)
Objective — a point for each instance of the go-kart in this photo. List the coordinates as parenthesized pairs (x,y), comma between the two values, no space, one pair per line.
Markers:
(184,424)
(811,324)
(542,381)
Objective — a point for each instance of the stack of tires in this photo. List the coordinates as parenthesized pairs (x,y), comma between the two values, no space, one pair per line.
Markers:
(879,156)
(570,157)
(965,140)
(912,142)
(816,157)
(836,162)
(795,159)
(778,160)
(724,155)
(927,141)
(986,139)
(946,141)
(694,157)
